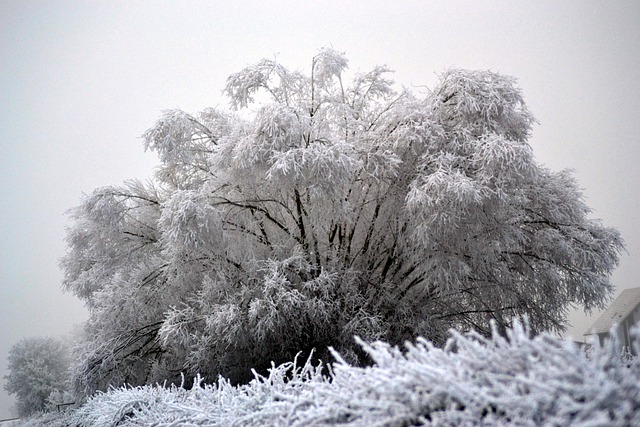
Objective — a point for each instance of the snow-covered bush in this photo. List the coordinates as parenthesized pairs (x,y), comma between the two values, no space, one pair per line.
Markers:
(38,373)
(510,379)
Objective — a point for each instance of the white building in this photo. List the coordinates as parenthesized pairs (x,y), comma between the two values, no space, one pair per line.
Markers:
(623,313)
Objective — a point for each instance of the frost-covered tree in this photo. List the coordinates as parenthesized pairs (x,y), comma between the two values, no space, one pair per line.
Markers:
(38,368)
(333,208)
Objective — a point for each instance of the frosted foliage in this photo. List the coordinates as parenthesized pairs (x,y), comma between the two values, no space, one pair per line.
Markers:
(282,85)
(336,206)
(508,379)
(189,223)
(476,103)
(222,333)
(329,63)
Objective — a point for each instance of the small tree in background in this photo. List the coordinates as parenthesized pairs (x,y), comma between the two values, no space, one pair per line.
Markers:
(38,369)
(336,209)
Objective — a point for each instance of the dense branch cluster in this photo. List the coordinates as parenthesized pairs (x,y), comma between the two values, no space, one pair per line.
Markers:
(334,209)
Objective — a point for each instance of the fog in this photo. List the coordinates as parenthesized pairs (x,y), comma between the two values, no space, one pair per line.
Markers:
(81,81)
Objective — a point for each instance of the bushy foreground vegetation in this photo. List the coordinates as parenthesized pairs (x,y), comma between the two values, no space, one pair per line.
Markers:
(473,380)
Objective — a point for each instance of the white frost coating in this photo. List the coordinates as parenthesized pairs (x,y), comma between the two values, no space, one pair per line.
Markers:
(511,380)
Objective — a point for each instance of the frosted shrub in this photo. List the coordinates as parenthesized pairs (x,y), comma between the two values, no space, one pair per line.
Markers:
(503,380)
(38,373)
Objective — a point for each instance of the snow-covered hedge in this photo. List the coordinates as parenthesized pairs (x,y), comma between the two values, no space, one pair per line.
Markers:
(517,380)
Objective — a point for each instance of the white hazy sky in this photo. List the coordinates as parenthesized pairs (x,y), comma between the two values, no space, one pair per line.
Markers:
(81,81)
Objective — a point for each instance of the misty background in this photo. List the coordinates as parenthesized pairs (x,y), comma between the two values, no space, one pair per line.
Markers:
(81,81)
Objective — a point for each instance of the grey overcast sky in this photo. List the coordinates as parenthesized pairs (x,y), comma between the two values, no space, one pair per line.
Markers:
(81,81)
